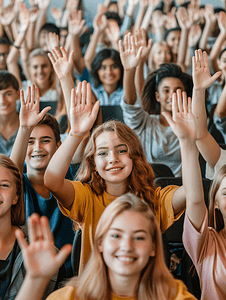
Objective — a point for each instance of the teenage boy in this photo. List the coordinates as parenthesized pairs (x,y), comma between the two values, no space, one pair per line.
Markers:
(37,140)
(9,118)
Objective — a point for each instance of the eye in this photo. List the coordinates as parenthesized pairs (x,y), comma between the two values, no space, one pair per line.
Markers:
(46,141)
(30,142)
(102,67)
(139,238)
(4,185)
(115,236)
(114,66)
(122,151)
(102,153)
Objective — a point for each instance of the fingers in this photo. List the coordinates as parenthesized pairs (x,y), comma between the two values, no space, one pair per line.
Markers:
(46,231)
(20,238)
(63,254)
(34,228)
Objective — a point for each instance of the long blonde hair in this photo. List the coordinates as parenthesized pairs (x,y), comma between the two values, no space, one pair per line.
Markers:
(156,282)
(17,210)
(215,216)
(141,180)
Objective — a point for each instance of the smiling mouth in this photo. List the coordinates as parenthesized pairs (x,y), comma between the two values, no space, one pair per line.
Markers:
(126,258)
(38,156)
(115,169)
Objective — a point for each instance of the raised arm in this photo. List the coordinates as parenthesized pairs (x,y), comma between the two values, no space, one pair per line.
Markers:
(40,257)
(183,125)
(63,65)
(211,19)
(82,116)
(130,58)
(202,79)
(29,117)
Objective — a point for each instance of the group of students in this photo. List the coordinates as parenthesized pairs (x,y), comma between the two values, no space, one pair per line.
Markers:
(114,198)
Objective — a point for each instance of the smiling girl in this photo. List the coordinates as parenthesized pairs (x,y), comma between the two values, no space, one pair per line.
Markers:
(113,164)
(127,262)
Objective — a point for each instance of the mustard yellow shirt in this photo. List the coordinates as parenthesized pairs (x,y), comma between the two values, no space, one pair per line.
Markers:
(88,207)
(68,293)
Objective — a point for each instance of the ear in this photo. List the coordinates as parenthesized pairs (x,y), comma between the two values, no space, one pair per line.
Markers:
(157,96)
(100,246)
(58,144)
(152,253)
(216,204)
(14,202)
(18,94)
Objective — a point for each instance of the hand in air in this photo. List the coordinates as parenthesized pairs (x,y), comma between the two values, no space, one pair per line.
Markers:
(182,121)
(40,257)
(29,112)
(82,112)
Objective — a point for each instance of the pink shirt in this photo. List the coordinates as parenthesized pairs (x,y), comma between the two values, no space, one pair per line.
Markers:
(207,250)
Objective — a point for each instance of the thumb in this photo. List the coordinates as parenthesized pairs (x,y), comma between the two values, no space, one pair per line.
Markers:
(63,254)
(44,111)
(95,110)
(139,52)
(216,75)
(169,118)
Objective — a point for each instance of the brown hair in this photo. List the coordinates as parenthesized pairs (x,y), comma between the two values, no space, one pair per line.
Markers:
(17,210)
(156,282)
(141,180)
(215,216)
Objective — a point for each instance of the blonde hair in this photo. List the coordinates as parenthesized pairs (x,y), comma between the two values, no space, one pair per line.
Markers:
(215,216)
(141,179)
(156,282)
(151,64)
(17,210)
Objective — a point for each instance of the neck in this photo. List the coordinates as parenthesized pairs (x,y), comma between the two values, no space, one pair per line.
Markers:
(163,121)
(123,285)
(110,88)
(116,189)
(36,179)
(6,229)
(10,120)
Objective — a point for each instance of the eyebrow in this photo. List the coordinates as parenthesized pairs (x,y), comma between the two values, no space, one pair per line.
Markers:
(105,148)
(120,230)
(42,137)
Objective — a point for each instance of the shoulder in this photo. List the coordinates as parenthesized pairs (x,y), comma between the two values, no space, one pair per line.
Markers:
(66,293)
(182,292)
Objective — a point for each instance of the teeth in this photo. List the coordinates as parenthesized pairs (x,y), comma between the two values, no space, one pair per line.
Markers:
(115,169)
(126,259)
(38,156)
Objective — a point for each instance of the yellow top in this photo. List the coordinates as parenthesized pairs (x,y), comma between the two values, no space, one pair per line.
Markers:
(88,207)
(68,293)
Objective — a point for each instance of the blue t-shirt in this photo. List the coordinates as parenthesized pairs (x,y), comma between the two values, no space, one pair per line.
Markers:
(61,226)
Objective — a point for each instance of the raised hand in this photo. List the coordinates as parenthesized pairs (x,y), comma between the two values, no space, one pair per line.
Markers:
(8,14)
(52,40)
(194,35)
(29,112)
(82,112)
(40,257)
(24,17)
(76,23)
(57,14)
(183,18)
(201,72)
(62,64)
(141,41)
(222,21)
(130,57)
(100,22)
(113,33)
(182,121)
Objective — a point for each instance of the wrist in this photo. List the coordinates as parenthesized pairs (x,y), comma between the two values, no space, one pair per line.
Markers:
(78,134)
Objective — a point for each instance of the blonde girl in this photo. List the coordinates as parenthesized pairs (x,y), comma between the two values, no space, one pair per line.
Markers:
(205,245)
(113,164)
(127,260)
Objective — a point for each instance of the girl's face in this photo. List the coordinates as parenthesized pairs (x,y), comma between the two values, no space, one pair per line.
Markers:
(109,73)
(222,63)
(220,199)
(166,88)
(8,191)
(112,160)
(127,246)
(40,71)
(173,40)
(161,55)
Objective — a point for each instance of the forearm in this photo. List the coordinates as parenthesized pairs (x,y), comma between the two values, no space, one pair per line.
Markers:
(205,35)
(30,36)
(90,52)
(220,109)
(192,182)
(139,78)
(41,20)
(139,17)
(12,64)
(147,17)
(214,54)
(78,58)
(129,86)
(34,287)
(19,150)
(9,33)
(182,50)
(67,85)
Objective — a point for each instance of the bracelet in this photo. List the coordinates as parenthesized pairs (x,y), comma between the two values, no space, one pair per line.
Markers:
(17,47)
(79,136)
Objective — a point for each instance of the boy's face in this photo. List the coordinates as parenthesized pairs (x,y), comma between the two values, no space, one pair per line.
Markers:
(43,35)
(4,51)
(8,99)
(41,147)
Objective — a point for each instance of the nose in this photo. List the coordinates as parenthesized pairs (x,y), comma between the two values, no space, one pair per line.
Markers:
(37,147)
(2,98)
(108,70)
(126,244)
(113,157)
